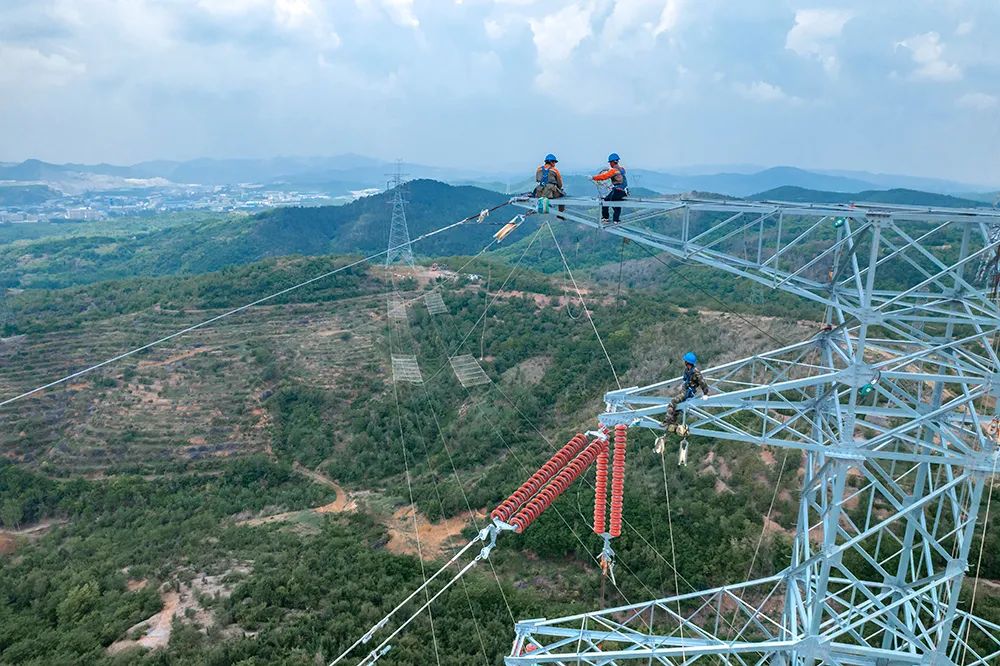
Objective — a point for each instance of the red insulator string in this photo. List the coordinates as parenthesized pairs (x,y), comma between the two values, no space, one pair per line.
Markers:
(601,492)
(543,500)
(618,479)
(509,507)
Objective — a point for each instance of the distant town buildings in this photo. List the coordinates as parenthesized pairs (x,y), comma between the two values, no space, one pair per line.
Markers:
(139,202)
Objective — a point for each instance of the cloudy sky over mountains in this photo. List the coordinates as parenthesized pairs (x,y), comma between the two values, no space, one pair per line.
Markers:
(893,85)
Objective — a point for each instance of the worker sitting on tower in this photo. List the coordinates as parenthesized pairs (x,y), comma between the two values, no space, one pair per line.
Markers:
(690,383)
(619,186)
(550,182)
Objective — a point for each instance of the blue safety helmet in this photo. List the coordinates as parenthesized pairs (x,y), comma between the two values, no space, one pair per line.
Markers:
(551,158)
(691,358)
(613,157)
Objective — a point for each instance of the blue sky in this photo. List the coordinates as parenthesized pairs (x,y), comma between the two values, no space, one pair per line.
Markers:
(909,86)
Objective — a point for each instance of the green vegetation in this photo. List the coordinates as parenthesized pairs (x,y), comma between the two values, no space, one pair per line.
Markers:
(195,467)
(25,195)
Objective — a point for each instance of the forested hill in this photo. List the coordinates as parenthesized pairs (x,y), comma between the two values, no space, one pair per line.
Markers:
(898,196)
(363,226)
(201,246)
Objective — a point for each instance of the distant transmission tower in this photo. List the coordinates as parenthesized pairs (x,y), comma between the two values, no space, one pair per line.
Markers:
(400,250)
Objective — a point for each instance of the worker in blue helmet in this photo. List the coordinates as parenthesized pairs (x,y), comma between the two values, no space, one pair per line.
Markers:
(549,182)
(690,383)
(615,173)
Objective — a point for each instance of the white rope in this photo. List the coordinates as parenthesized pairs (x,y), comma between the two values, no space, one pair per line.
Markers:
(767,518)
(486,309)
(458,479)
(216,318)
(584,303)
(413,513)
(437,492)
(673,555)
(982,544)
(427,581)
(486,306)
(465,497)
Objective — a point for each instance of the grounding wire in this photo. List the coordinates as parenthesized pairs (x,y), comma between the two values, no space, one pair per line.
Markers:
(224,315)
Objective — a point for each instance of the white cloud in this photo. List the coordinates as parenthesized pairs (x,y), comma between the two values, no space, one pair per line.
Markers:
(24,66)
(401,11)
(762,91)
(557,35)
(927,51)
(669,17)
(294,13)
(964,28)
(978,101)
(815,33)
(494,30)
(641,18)
(232,7)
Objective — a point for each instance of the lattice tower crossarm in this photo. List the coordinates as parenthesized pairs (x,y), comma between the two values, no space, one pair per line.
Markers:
(890,402)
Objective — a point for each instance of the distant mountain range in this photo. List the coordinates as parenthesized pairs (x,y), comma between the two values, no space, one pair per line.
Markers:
(344,173)
(898,196)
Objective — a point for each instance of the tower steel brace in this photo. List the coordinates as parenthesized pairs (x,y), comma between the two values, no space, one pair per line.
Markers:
(893,404)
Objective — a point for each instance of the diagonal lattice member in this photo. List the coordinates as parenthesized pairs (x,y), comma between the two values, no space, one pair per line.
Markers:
(468,371)
(435,304)
(405,369)
(396,307)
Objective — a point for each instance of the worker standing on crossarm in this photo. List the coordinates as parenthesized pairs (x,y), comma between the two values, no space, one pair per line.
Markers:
(690,383)
(619,186)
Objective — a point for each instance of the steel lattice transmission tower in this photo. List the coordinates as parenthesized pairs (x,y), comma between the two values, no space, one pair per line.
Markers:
(400,250)
(894,405)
